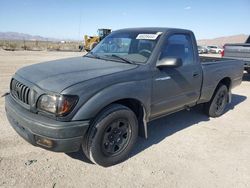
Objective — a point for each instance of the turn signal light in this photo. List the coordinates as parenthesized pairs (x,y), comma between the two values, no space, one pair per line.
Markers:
(44,142)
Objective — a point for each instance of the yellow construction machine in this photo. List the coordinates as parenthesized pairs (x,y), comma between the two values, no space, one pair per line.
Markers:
(91,41)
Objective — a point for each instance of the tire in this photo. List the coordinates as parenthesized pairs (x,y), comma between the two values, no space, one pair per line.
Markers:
(216,106)
(112,136)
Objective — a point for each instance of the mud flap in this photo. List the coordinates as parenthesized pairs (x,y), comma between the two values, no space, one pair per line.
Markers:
(143,129)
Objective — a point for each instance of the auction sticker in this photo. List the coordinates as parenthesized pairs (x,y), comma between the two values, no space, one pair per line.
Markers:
(148,36)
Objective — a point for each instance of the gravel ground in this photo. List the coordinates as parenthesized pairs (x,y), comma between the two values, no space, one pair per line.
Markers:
(186,149)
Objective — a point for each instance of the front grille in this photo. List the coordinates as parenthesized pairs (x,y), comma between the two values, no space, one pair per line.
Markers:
(20,91)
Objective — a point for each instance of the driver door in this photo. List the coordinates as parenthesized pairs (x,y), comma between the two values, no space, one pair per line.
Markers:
(174,88)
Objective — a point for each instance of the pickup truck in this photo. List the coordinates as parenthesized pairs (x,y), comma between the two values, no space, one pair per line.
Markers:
(101,102)
(239,51)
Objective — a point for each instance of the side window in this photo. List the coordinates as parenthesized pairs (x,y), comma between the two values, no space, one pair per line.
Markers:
(179,46)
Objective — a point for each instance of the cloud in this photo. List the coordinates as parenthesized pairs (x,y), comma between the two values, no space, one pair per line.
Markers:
(187,8)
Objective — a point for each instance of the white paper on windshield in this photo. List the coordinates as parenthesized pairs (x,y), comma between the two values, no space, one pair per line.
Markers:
(148,36)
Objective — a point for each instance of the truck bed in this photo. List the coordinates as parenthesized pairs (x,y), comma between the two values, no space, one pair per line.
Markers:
(237,51)
(214,70)
(240,52)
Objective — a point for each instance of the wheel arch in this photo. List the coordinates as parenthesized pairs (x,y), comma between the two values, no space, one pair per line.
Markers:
(138,108)
(227,82)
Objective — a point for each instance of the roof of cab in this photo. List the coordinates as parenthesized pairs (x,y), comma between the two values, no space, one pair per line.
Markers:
(152,29)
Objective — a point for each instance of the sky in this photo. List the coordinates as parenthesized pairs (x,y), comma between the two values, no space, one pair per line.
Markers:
(71,19)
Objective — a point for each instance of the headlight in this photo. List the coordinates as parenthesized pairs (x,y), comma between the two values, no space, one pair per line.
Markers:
(57,104)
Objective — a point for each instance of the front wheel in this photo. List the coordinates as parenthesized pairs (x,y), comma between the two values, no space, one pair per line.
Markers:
(112,136)
(216,106)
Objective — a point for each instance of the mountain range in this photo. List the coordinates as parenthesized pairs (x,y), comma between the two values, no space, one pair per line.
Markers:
(220,41)
(24,36)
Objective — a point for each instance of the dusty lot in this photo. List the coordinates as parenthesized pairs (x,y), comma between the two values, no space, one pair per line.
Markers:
(186,149)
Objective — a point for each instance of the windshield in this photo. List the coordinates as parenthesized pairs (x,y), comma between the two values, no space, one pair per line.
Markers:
(127,46)
(100,32)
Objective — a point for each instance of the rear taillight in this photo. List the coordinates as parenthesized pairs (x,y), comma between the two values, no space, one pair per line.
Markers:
(223,51)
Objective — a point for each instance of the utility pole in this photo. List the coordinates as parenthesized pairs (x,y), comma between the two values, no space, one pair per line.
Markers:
(24,44)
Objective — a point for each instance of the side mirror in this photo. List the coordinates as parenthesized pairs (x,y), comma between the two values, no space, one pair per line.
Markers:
(169,62)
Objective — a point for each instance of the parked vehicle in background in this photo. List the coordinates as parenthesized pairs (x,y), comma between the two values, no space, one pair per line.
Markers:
(202,50)
(239,51)
(215,49)
(102,102)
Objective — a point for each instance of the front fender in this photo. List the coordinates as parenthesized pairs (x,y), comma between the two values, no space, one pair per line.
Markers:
(139,90)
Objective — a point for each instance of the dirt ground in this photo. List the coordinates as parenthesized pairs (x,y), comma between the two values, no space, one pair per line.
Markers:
(186,149)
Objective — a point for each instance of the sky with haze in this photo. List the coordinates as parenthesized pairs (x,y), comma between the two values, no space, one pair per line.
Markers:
(71,19)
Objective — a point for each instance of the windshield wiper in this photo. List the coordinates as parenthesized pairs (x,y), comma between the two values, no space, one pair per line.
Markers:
(124,59)
(113,55)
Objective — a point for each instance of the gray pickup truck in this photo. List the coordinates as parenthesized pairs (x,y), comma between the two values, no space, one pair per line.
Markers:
(240,51)
(102,102)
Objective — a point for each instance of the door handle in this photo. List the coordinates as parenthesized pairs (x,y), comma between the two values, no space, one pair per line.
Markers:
(196,74)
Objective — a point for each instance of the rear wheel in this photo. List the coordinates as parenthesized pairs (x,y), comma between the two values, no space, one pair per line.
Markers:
(112,136)
(216,106)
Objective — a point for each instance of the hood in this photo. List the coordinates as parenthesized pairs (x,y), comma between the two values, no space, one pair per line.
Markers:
(57,75)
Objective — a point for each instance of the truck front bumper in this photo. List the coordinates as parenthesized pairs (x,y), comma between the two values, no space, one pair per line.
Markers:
(45,132)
